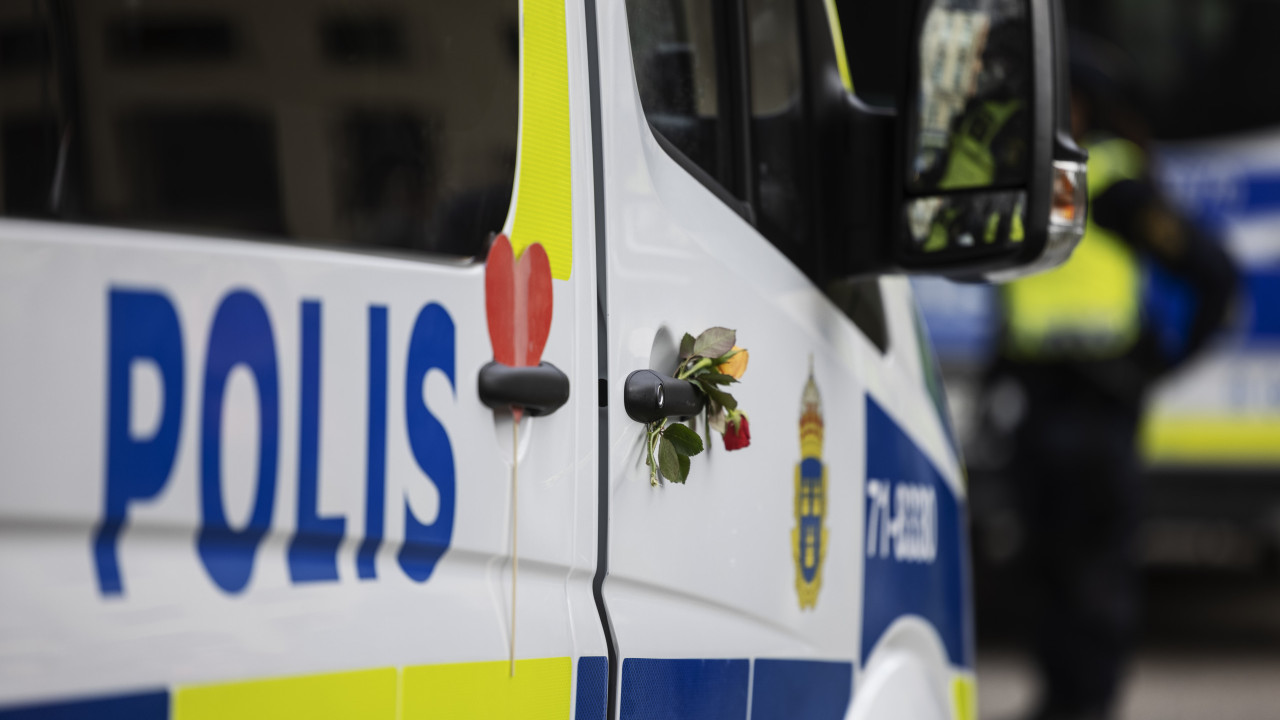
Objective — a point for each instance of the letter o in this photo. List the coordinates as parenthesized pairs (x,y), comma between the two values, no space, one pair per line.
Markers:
(240,335)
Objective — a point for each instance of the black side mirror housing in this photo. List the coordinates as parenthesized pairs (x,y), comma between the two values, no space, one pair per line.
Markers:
(973,174)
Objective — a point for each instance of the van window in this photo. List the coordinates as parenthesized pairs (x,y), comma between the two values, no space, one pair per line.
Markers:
(752,117)
(784,203)
(861,301)
(316,121)
(676,50)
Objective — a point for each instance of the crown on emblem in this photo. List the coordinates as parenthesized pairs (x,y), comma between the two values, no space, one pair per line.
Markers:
(811,419)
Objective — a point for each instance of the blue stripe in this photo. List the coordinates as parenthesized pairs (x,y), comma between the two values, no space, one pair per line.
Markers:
(936,591)
(801,690)
(656,689)
(593,688)
(144,706)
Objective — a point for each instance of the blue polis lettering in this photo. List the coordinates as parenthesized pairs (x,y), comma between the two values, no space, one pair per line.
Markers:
(376,449)
(431,346)
(241,335)
(313,553)
(144,326)
(141,326)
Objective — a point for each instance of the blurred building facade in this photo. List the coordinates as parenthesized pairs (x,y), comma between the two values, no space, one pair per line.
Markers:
(322,122)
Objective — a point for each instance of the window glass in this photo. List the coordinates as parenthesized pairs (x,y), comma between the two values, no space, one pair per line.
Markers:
(862,302)
(674,51)
(323,121)
(785,212)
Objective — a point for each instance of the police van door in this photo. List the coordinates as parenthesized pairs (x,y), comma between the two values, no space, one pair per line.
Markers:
(245,469)
(740,593)
(741,584)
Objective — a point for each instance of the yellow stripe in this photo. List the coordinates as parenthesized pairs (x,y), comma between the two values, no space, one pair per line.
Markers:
(544,202)
(837,37)
(964,692)
(539,690)
(363,694)
(1227,440)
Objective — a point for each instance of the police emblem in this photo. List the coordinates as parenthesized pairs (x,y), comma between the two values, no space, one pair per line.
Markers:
(809,537)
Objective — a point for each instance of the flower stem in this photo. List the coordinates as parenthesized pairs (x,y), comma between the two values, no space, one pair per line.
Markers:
(655,432)
(700,365)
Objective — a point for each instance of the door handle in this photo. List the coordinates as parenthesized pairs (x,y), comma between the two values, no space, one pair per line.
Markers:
(648,396)
(540,389)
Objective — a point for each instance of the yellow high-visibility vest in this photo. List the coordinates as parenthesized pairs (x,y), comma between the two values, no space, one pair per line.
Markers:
(1089,307)
(971,164)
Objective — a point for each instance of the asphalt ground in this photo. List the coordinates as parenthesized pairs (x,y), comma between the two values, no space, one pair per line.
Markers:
(1209,649)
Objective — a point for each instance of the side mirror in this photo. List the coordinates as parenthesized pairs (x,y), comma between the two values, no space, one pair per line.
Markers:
(993,186)
(985,181)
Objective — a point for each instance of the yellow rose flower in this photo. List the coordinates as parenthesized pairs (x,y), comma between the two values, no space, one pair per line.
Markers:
(735,366)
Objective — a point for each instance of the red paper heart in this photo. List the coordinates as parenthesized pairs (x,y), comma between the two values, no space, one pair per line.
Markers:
(517,302)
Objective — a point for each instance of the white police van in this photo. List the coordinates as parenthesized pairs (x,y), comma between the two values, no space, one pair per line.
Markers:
(245,330)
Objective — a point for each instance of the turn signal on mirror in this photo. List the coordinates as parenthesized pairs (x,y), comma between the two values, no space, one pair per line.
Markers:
(1070,196)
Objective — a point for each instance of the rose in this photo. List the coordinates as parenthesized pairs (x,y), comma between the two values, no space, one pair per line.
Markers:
(736,365)
(737,431)
(712,362)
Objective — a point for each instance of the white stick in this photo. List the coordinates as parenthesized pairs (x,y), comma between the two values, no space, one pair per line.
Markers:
(515,526)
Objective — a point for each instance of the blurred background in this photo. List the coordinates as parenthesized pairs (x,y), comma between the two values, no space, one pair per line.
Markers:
(1209,530)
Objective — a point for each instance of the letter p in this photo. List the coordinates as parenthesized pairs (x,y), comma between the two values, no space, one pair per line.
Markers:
(140,326)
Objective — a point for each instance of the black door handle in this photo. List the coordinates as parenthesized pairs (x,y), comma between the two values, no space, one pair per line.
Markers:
(540,389)
(648,396)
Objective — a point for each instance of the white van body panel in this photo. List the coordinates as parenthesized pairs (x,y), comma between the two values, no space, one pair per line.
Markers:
(56,286)
(705,572)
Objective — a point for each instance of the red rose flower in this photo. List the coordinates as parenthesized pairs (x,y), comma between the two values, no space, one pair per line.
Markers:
(737,432)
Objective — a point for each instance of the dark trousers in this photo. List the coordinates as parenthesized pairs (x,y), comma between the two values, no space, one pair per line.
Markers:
(1076,472)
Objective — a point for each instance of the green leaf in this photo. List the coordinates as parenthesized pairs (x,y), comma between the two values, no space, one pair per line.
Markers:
(684,466)
(718,378)
(669,461)
(721,397)
(686,346)
(725,357)
(714,342)
(685,439)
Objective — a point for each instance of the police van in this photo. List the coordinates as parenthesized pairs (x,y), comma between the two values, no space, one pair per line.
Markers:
(337,338)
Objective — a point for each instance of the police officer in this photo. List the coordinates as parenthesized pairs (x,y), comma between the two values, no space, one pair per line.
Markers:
(1078,357)
(989,139)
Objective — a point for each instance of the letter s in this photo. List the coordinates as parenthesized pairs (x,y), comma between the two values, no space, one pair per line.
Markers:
(430,346)
(140,325)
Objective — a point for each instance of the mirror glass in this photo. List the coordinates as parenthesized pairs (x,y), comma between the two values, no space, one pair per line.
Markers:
(970,127)
(972,118)
(967,222)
